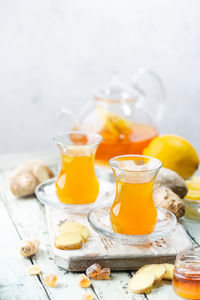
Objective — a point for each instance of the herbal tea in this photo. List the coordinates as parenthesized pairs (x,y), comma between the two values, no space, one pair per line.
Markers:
(77,182)
(128,142)
(133,210)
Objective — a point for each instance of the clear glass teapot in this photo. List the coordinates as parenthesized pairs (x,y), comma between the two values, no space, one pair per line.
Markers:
(125,115)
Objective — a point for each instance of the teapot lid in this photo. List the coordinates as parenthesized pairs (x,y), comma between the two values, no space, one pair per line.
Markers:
(116,91)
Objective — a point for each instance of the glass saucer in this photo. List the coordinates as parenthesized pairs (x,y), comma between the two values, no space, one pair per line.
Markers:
(46,194)
(99,219)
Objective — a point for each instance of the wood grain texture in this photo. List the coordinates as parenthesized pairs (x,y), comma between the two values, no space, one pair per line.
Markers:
(21,218)
(14,279)
(27,218)
(110,253)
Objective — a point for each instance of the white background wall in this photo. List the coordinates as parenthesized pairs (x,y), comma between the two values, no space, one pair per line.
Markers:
(53,53)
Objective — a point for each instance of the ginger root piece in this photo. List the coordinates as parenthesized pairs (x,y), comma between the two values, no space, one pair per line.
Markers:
(34,270)
(83,281)
(158,270)
(141,282)
(29,247)
(93,271)
(104,274)
(51,280)
(76,228)
(42,172)
(169,271)
(69,241)
(23,185)
(166,198)
(88,296)
(25,178)
(172,180)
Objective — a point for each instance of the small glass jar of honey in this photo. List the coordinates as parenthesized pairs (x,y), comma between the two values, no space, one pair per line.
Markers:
(186,279)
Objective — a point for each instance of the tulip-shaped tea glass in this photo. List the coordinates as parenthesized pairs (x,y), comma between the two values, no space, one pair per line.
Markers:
(133,211)
(77,182)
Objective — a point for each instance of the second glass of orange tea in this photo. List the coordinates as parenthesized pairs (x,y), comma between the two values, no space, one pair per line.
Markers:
(77,182)
(133,211)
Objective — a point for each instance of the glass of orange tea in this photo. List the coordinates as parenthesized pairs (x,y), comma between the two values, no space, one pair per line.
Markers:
(133,211)
(77,182)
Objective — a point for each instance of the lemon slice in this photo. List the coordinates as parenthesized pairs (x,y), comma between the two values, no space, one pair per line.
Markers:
(114,124)
(194,183)
(193,195)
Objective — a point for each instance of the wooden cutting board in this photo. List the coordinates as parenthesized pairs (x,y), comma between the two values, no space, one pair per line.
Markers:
(109,253)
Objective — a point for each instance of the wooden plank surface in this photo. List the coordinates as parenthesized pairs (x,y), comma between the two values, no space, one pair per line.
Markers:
(109,253)
(28,217)
(14,281)
(21,218)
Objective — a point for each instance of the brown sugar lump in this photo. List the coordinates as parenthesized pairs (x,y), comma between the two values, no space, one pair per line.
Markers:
(93,271)
(83,281)
(104,274)
(51,280)
(69,241)
(76,228)
(87,296)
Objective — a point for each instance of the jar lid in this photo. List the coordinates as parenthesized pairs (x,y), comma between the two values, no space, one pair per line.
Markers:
(117,91)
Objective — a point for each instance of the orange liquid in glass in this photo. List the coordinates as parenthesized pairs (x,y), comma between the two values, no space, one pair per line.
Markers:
(132,142)
(187,285)
(77,182)
(133,210)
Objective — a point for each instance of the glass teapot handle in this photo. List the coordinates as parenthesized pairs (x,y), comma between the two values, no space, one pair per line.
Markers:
(153,90)
(66,120)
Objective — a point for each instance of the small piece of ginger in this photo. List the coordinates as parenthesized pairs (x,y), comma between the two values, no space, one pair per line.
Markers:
(169,271)
(69,241)
(158,270)
(75,227)
(34,270)
(29,247)
(141,282)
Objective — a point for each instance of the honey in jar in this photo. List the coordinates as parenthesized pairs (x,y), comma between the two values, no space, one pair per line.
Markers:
(186,279)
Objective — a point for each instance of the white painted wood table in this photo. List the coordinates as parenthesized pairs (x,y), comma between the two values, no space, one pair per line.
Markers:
(21,218)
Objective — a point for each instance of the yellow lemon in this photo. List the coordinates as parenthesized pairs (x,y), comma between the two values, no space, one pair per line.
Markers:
(175,152)
(193,185)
